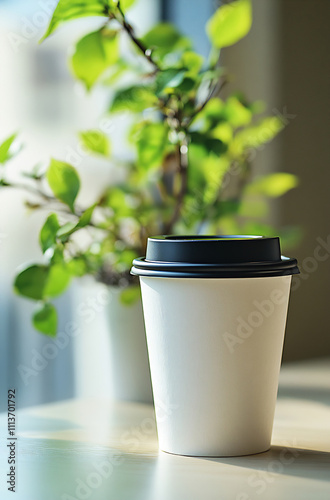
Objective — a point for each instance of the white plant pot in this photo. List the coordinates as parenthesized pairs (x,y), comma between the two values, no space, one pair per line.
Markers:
(215,349)
(110,350)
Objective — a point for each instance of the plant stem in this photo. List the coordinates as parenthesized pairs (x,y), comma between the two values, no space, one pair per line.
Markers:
(49,200)
(32,190)
(183,172)
(130,31)
(215,90)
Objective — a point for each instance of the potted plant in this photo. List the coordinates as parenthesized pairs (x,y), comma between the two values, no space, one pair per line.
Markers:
(190,169)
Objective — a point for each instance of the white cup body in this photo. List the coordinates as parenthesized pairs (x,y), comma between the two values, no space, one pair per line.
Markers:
(215,348)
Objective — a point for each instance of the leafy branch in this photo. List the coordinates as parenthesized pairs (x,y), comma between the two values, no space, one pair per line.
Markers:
(131,33)
(184,139)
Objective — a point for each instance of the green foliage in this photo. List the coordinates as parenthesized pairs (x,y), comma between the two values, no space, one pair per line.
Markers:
(40,282)
(253,208)
(232,112)
(116,199)
(290,237)
(189,167)
(48,232)
(63,181)
(86,217)
(124,4)
(272,185)
(96,142)
(209,143)
(236,113)
(64,232)
(130,295)
(136,99)
(77,267)
(164,38)
(45,320)
(151,140)
(58,280)
(169,79)
(192,61)
(230,23)
(6,150)
(67,10)
(95,53)
(32,281)
(255,136)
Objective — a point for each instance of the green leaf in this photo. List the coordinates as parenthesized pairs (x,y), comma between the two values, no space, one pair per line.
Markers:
(257,135)
(228,224)
(77,267)
(151,142)
(118,201)
(47,237)
(186,86)
(130,295)
(126,4)
(232,111)
(224,132)
(253,208)
(214,169)
(272,185)
(168,79)
(236,113)
(124,259)
(95,53)
(67,10)
(210,144)
(58,255)
(213,113)
(32,281)
(6,152)
(230,23)
(206,172)
(40,282)
(164,38)
(213,74)
(192,212)
(227,208)
(45,320)
(63,181)
(136,99)
(192,61)
(96,142)
(214,109)
(163,35)
(65,231)
(57,282)
(86,217)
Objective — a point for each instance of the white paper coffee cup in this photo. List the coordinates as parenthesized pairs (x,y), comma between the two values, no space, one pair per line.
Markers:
(215,342)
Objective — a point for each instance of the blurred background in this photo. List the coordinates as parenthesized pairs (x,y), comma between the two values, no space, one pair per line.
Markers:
(284,61)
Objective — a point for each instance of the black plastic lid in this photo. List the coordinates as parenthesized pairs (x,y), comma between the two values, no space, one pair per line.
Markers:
(213,257)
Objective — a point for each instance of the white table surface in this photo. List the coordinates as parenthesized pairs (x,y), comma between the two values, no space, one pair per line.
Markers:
(62,446)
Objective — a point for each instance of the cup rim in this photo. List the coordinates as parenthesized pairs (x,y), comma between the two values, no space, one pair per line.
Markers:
(214,256)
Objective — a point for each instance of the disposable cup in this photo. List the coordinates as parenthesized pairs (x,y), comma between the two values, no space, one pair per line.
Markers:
(215,311)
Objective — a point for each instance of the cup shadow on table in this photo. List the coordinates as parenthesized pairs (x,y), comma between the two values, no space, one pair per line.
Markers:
(284,460)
